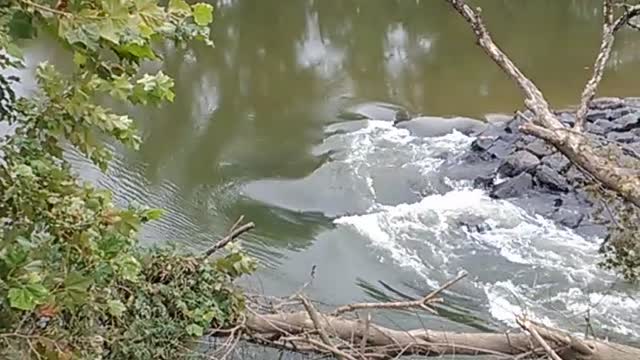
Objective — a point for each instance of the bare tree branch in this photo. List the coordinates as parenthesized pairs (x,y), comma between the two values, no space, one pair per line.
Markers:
(609,28)
(422,303)
(545,125)
(235,231)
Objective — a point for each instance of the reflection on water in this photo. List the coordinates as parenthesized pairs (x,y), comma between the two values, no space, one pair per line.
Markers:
(255,107)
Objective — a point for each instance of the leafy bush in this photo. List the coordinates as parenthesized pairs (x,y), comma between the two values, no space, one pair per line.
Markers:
(74,284)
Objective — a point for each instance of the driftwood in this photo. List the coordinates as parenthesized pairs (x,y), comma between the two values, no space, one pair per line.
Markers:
(333,333)
(570,141)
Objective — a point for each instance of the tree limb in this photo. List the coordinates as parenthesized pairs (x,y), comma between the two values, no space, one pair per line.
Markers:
(545,125)
(235,231)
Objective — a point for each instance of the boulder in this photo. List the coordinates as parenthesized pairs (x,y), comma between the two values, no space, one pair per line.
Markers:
(539,148)
(567,217)
(482,143)
(500,149)
(431,126)
(513,187)
(623,137)
(557,161)
(548,178)
(627,122)
(518,162)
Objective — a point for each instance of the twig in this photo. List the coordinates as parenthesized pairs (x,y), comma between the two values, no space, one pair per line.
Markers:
(420,303)
(235,231)
(337,352)
(365,336)
(44,8)
(313,314)
(532,330)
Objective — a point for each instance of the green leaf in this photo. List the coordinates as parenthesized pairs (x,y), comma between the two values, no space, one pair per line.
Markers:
(21,298)
(179,6)
(202,14)
(20,26)
(79,58)
(38,291)
(23,170)
(116,308)
(75,281)
(195,330)
(153,214)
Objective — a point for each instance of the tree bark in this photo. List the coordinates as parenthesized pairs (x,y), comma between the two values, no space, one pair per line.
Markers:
(386,343)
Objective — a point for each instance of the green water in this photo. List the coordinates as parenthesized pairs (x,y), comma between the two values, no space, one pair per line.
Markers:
(255,107)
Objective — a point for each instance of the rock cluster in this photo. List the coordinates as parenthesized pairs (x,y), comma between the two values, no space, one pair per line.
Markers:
(527,170)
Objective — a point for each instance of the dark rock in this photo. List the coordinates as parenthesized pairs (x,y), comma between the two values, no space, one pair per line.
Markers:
(549,178)
(499,149)
(557,161)
(632,102)
(567,118)
(574,175)
(539,148)
(606,103)
(568,218)
(482,143)
(518,162)
(618,113)
(588,230)
(623,137)
(595,115)
(513,187)
(606,125)
(627,122)
(595,129)
(483,182)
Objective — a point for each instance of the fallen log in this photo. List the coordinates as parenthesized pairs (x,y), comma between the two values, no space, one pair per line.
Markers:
(287,330)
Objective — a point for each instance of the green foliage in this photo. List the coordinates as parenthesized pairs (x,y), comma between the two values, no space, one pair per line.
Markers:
(73,282)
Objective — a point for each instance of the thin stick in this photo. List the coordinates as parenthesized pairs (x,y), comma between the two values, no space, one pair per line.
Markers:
(420,303)
(235,231)
(44,8)
(532,330)
(313,314)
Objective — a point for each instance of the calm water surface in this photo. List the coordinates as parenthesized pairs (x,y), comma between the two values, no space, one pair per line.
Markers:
(256,129)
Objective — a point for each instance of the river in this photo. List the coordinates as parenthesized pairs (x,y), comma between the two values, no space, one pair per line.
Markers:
(264,125)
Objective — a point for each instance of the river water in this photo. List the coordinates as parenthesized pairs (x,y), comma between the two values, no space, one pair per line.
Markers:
(264,125)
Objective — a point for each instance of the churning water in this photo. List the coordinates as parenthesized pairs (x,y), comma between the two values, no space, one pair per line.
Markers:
(415,219)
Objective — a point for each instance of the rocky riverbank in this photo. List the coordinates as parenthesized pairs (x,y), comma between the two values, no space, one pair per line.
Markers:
(522,168)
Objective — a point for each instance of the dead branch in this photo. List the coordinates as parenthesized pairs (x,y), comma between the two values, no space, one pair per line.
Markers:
(235,231)
(578,148)
(422,303)
(527,326)
(609,28)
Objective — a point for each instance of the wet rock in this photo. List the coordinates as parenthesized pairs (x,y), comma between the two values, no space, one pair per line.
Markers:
(513,187)
(518,162)
(605,125)
(623,137)
(483,182)
(595,129)
(557,161)
(632,102)
(374,111)
(499,149)
(568,218)
(606,103)
(539,148)
(627,122)
(431,126)
(596,115)
(548,178)
(482,143)
(574,175)
(567,118)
